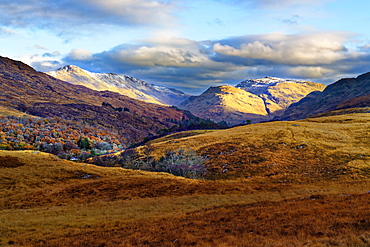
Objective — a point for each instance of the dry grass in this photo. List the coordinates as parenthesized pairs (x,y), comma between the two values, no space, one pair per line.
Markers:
(337,134)
(180,135)
(284,151)
(46,201)
(7,111)
(341,220)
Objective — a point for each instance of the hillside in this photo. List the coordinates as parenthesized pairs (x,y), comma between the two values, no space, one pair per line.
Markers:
(290,184)
(35,93)
(226,103)
(123,84)
(345,93)
(328,148)
(255,100)
(279,93)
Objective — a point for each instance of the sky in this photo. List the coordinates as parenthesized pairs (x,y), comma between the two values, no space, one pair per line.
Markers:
(191,45)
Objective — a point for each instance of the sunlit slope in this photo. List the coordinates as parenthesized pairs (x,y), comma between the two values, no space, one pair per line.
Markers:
(8,111)
(27,171)
(318,148)
(279,93)
(226,103)
(256,100)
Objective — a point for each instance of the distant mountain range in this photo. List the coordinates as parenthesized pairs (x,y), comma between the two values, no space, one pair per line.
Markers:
(123,84)
(255,100)
(114,102)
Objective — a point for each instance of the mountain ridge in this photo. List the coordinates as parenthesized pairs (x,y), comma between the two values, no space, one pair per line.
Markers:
(253,100)
(344,93)
(123,84)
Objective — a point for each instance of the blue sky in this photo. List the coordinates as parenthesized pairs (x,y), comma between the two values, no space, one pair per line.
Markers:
(191,45)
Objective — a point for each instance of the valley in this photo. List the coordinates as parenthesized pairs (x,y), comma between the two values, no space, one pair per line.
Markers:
(80,167)
(47,201)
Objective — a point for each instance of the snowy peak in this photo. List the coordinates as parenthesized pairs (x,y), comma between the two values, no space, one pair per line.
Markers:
(260,86)
(279,93)
(268,81)
(71,68)
(123,84)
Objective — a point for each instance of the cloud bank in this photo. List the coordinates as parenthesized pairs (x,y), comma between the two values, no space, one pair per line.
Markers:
(188,64)
(68,15)
(196,65)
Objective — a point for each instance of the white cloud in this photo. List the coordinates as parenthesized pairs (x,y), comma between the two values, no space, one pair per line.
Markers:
(137,11)
(85,15)
(195,65)
(40,47)
(303,49)
(7,31)
(276,4)
(309,71)
(175,52)
(41,62)
(80,54)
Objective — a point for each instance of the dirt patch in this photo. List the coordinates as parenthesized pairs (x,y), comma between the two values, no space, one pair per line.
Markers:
(10,162)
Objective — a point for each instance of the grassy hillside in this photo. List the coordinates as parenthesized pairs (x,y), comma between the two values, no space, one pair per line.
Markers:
(46,201)
(298,151)
(7,111)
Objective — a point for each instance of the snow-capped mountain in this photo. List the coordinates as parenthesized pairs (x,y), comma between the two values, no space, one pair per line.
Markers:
(254,99)
(279,93)
(123,84)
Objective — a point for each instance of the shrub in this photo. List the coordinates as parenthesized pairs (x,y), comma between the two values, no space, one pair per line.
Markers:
(104,146)
(183,162)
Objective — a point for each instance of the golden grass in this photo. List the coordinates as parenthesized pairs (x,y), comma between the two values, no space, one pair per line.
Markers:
(340,133)
(179,135)
(45,201)
(6,111)
(41,170)
(314,146)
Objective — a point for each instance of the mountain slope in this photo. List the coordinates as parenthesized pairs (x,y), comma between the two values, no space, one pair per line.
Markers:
(255,99)
(123,84)
(227,103)
(278,93)
(36,93)
(345,93)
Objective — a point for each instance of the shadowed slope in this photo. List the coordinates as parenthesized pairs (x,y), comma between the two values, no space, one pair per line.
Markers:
(344,93)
